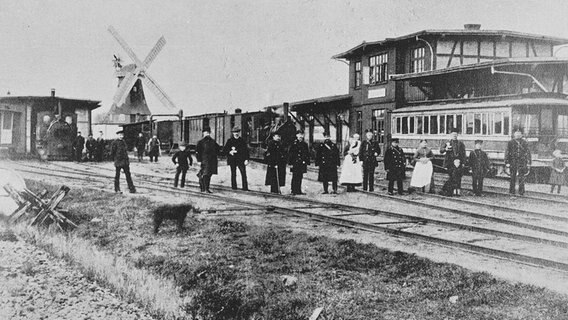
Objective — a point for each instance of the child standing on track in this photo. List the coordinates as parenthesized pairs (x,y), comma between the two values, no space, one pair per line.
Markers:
(480,165)
(182,159)
(455,172)
(557,177)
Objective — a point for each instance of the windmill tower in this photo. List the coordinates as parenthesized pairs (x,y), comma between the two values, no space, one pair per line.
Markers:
(129,99)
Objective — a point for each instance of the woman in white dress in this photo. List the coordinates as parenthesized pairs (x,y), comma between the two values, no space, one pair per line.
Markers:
(351,170)
(423,169)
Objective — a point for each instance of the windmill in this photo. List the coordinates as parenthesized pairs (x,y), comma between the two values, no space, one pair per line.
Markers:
(129,98)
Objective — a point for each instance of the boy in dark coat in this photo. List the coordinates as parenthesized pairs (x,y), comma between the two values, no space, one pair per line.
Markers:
(91,146)
(237,153)
(479,164)
(455,173)
(275,157)
(327,159)
(206,153)
(368,153)
(299,159)
(182,159)
(119,154)
(78,146)
(395,165)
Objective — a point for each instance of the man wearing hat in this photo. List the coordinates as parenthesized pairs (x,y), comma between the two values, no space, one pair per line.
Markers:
(237,154)
(395,165)
(327,159)
(275,158)
(78,145)
(453,149)
(119,153)
(182,159)
(368,153)
(154,148)
(140,146)
(206,154)
(299,159)
(480,165)
(518,160)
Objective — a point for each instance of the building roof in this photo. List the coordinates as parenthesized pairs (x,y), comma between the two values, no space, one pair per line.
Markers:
(320,102)
(90,104)
(483,65)
(467,105)
(454,32)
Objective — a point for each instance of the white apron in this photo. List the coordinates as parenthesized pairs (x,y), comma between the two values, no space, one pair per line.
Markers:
(422,174)
(352,171)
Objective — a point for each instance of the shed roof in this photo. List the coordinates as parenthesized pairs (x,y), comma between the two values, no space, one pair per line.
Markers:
(90,104)
(320,102)
(450,32)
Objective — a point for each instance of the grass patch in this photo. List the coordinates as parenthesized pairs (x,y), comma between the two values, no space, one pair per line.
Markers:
(224,269)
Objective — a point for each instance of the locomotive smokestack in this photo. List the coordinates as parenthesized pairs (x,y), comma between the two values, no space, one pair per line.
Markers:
(472,26)
(53,92)
(285,109)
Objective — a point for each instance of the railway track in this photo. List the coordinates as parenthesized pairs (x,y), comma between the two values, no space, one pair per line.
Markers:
(523,243)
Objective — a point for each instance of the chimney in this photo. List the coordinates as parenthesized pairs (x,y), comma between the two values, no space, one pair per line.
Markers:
(472,26)
(53,92)
(238,110)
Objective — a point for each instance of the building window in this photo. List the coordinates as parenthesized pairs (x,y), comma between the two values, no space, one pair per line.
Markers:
(417,60)
(378,124)
(358,74)
(378,71)
(359,122)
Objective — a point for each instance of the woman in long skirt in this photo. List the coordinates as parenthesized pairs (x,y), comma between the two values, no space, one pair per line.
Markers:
(423,169)
(351,170)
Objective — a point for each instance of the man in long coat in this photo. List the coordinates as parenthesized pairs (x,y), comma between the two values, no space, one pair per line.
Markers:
(327,159)
(119,153)
(518,160)
(78,145)
(299,159)
(206,153)
(154,149)
(480,165)
(368,153)
(275,158)
(395,165)
(100,149)
(91,146)
(237,153)
(453,149)
(140,146)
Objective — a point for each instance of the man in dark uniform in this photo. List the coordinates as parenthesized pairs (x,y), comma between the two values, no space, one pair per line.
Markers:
(275,158)
(368,153)
(299,159)
(182,159)
(327,159)
(119,153)
(140,146)
(91,146)
(237,153)
(78,146)
(154,149)
(480,165)
(453,149)
(100,147)
(395,165)
(206,154)
(518,160)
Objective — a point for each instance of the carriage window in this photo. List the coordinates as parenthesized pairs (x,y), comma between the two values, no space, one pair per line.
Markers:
(398,125)
(498,123)
(484,123)
(411,125)
(442,124)
(419,125)
(404,125)
(449,123)
(426,125)
(469,123)
(434,124)
(506,124)
(459,125)
(562,127)
(477,123)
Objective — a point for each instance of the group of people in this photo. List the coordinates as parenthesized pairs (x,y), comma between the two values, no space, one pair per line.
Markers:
(152,147)
(95,147)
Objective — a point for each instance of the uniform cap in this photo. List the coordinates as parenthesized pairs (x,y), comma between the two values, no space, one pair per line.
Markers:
(236,129)
(394,140)
(206,129)
(119,132)
(299,132)
(183,144)
(326,134)
(478,141)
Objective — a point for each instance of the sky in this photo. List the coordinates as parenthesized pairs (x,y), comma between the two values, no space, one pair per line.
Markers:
(227,54)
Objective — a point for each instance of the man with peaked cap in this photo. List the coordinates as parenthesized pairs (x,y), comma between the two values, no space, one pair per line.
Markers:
(299,159)
(275,158)
(237,153)
(182,159)
(480,165)
(368,154)
(206,153)
(518,159)
(395,165)
(140,146)
(327,159)
(119,153)
(453,149)
(91,146)
(154,148)
(78,145)
(100,147)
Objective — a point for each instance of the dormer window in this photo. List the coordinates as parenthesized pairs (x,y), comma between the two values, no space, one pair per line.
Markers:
(378,71)
(417,60)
